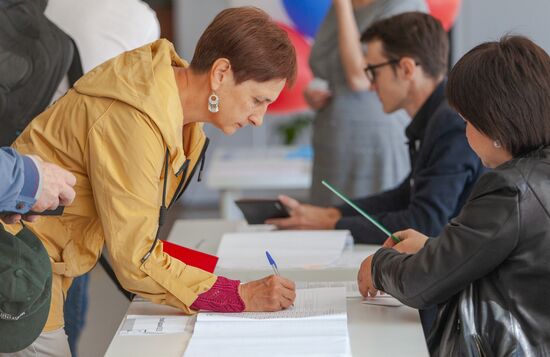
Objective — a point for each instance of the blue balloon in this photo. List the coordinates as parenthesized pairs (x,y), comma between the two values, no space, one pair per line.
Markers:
(307,15)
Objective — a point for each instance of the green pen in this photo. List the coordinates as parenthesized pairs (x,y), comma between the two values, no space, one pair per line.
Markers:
(364,214)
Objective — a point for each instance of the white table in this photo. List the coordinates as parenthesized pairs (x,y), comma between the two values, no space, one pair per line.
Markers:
(373,330)
(231,171)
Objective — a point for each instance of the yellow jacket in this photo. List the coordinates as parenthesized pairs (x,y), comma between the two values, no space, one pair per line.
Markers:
(112,131)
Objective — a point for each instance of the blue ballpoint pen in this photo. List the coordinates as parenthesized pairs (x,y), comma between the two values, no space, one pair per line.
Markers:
(272,263)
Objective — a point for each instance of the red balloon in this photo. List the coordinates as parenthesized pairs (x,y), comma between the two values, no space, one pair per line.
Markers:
(291,99)
(445,11)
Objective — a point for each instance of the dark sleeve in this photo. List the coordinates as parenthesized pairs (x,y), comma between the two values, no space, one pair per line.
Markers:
(470,247)
(391,200)
(439,185)
(361,229)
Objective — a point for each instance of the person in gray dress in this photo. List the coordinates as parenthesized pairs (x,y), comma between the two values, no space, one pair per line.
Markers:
(357,148)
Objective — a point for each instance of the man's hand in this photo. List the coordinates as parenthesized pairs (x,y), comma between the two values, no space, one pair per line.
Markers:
(411,241)
(303,216)
(272,293)
(57,189)
(364,278)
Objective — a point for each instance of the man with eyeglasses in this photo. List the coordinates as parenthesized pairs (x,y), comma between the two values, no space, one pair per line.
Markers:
(406,57)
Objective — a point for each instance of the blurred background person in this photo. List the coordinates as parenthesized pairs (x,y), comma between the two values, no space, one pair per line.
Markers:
(357,147)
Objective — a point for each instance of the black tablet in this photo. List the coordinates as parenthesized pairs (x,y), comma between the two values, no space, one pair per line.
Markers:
(257,211)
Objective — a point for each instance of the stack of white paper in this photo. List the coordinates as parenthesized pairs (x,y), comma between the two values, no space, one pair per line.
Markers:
(315,325)
(352,258)
(290,249)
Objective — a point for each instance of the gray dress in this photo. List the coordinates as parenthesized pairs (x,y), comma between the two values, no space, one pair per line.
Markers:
(357,148)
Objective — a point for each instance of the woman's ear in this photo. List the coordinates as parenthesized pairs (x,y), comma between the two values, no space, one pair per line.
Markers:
(220,73)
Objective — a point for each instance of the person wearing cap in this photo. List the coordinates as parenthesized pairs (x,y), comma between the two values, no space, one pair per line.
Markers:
(25,290)
(28,183)
(131,130)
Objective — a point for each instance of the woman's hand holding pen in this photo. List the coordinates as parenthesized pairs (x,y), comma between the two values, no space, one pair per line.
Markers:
(411,241)
(272,293)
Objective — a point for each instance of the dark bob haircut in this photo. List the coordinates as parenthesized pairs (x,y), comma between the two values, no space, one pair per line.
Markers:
(255,46)
(503,89)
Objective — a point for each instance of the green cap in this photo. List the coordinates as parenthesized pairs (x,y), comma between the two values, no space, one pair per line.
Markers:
(25,289)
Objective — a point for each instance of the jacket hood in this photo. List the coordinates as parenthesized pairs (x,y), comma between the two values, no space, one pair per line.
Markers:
(144,79)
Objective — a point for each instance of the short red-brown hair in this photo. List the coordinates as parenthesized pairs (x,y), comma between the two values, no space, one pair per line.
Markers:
(255,46)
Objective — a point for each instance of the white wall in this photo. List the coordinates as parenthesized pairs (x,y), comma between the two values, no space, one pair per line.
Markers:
(488,20)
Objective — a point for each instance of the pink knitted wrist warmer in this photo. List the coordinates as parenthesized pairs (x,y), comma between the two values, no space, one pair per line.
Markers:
(223,296)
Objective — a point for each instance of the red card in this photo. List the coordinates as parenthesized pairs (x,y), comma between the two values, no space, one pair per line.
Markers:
(191,257)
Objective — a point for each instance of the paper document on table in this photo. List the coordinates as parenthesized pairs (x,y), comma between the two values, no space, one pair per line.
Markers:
(290,249)
(316,325)
(352,289)
(382,300)
(310,303)
(352,256)
(139,325)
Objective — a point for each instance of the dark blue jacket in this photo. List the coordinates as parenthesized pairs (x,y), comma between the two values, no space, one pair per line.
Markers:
(444,170)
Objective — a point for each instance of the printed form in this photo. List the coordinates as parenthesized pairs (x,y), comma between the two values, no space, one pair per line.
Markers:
(315,325)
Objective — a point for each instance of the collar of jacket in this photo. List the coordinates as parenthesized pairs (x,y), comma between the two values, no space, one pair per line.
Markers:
(417,127)
(144,79)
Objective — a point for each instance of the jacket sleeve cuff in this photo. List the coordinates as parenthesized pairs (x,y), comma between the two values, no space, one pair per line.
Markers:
(223,296)
(32,176)
(346,210)
(377,261)
(361,230)
(31,186)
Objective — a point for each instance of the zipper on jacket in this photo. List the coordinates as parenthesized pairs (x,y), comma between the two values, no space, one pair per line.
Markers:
(163,209)
(202,156)
(199,179)
(183,168)
(183,172)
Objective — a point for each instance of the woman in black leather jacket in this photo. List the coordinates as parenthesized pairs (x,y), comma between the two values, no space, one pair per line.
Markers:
(489,270)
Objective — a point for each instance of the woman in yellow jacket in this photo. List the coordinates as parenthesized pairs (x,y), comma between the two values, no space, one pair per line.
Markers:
(131,132)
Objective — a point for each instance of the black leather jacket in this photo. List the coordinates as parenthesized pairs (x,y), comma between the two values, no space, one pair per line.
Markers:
(489,271)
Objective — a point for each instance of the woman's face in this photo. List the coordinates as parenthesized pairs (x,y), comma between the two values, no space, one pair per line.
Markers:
(245,103)
(491,156)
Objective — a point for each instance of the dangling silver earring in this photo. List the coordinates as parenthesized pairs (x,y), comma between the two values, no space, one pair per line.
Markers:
(496,144)
(213,103)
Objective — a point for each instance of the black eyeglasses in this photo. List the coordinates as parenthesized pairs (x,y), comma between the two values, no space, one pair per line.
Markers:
(370,69)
